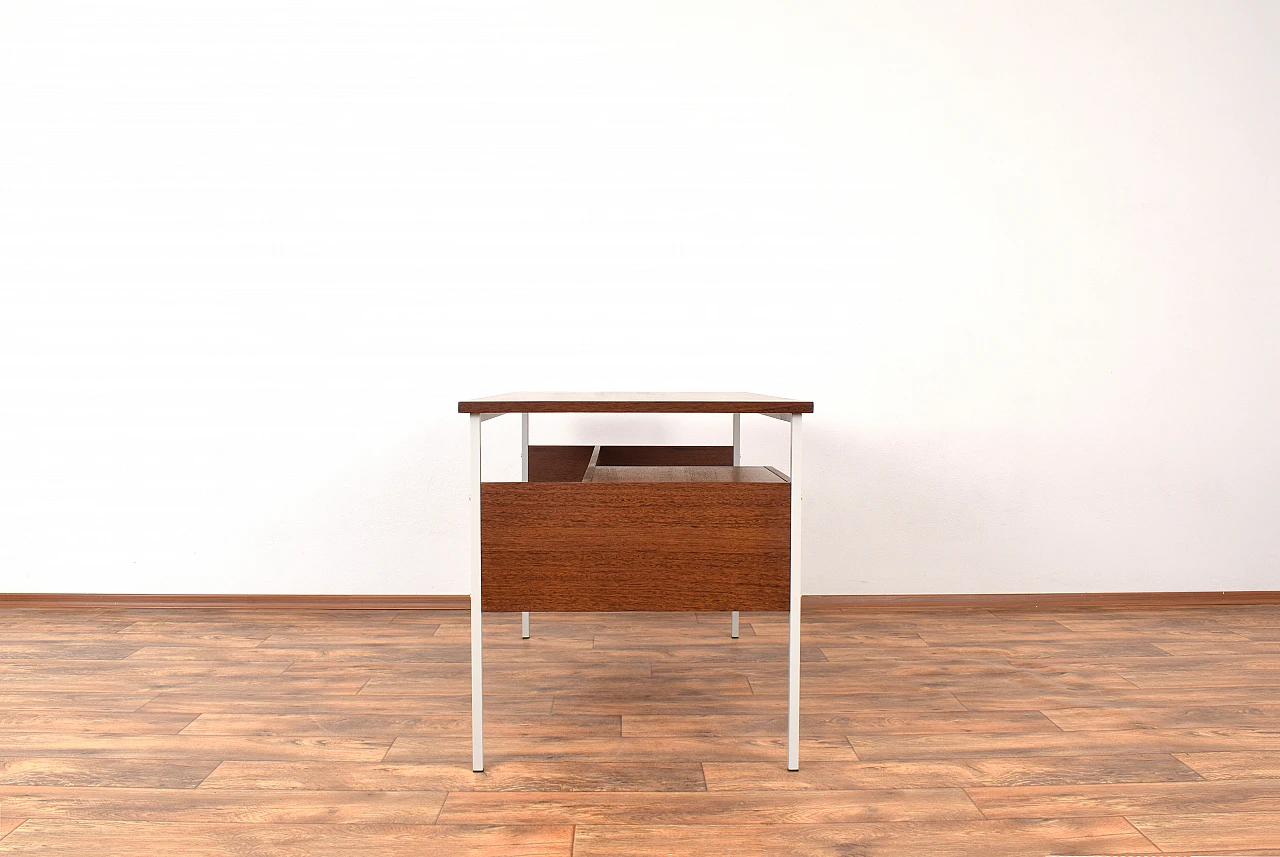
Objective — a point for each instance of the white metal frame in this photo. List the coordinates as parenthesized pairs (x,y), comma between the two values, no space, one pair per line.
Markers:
(524,477)
(793,627)
(737,462)
(477,644)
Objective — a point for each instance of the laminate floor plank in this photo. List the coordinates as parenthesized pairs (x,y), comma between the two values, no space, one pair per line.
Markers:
(70,671)
(9,823)
(191,747)
(272,731)
(62,838)
(157,682)
(1229,765)
(955,648)
(588,750)
(1012,696)
(402,725)
(137,773)
(1127,799)
(708,809)
(1217,648)
(1212,831)
(953,746)
(1004,771)
(882,721)
(269,701)
(610,686)
(455,775)
(254,806)
(115,723)
(385,653)
(44,650)
(901,839)
(756,703)
(1183,717)
(530,674)
(40,699)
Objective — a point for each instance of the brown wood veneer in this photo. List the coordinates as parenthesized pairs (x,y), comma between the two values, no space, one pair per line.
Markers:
(684,474)
(558,463)
(665,456)
(635,546)
(653,403)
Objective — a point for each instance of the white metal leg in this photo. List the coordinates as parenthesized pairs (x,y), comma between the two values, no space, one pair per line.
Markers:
(793,630)
(524,477)
(477,641)
(524,447)
(737,462)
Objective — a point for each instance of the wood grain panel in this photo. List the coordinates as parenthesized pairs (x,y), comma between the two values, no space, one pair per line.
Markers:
(665,456)
(682,473)
(635,546)
(558,463)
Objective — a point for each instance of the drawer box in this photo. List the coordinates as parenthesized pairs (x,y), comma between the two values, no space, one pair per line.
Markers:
(684,535)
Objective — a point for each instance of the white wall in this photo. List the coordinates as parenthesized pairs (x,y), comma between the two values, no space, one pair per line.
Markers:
(1021,254)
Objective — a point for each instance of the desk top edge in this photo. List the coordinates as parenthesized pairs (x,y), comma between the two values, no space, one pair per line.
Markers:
(657,403)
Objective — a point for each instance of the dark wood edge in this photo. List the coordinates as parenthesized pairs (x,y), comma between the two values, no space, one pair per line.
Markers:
(56,600)
(1043,600)
(590,474)
(635,408)
(778,473)
(1047,601)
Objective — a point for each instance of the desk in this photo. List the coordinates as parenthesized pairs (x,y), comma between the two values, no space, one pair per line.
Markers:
(604,528)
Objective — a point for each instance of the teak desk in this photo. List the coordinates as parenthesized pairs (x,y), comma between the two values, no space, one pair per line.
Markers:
(636,527)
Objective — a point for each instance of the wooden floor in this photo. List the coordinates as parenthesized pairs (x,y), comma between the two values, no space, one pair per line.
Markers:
(962,732)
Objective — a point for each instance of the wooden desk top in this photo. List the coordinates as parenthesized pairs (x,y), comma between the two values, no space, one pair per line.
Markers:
(634,403)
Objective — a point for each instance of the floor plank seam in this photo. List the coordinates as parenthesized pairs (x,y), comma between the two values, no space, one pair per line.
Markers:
(975,804)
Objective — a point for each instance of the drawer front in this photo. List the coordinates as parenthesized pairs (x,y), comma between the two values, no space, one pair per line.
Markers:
(635,546)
